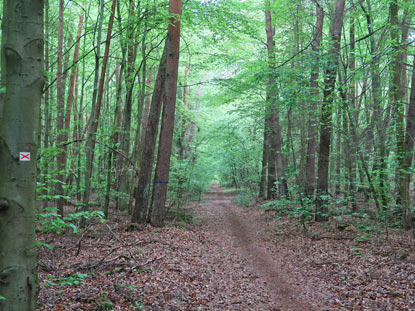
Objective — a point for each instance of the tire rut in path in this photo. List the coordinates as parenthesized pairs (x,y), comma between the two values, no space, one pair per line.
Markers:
(222,217)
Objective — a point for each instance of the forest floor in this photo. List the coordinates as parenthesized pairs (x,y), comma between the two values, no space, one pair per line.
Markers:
(227,258)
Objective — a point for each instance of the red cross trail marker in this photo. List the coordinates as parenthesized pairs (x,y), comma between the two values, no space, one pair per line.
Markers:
(24,156)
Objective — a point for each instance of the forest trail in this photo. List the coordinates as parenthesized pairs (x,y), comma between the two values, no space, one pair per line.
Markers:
(244,233)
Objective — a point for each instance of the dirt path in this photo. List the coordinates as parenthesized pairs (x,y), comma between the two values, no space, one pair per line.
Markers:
(229,258)
(245,233)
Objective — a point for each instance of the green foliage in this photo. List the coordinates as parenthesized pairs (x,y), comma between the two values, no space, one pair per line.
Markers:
(2,298)
(50,221)
(40,243)
(74,279)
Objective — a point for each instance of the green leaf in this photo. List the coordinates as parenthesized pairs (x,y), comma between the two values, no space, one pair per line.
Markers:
(40,243)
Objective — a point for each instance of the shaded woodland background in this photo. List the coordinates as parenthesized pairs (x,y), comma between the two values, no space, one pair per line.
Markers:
(318,99)
(305,106)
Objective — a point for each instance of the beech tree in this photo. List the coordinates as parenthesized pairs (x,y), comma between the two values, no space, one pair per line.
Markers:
(22,77)
(166,132)
(326,112)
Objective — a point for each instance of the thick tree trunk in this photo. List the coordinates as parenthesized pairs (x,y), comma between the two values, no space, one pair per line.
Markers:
(167,126)
(409,148)
(142,191)
(399,109)
(22,76)
(310,166)
(326,114)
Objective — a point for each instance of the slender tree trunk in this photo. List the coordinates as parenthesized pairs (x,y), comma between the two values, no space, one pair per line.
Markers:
(337,188)
(69,103)
(147,102)
(61,115)
(409,148)
(167,126)
(263,181)
(46,110)
(397,96)
(126,125)
(312,121)
(275,151)
(350,150)
(192,130)
(22,76)
(93,125)
(378,119)
(142,191)
(326,114)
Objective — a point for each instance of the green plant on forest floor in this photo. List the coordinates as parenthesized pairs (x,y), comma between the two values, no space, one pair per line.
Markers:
(74,279)
(50,221)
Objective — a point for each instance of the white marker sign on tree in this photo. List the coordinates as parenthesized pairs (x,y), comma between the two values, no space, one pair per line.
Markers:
(24,156)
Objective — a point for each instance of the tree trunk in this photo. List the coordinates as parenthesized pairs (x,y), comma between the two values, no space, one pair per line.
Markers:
(350,151)
(146,103)
(46,108)
(409,148)
(378,119)
(69,103)
(167,126)
(126,124)
(61,115)
(22,76)
(397,97)
(311,139)
(263,181)
(192,130)
(326,114)
(276,169)
(142,191)
(93,125)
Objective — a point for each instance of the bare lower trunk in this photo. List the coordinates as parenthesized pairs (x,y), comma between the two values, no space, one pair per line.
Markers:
(22,76)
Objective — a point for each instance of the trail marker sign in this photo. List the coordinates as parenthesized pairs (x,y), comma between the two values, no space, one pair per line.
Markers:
(24,156)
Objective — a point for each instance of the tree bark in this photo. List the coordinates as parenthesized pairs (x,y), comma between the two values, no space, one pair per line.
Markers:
(263,181)
(326,114)
(69,104)
(378,119)
(409,148)
(276,169)
(22,76)
(93,125)
(122,165)
(61,115)
(142,191)
(310,165)
(397,97)
(167,126)
(46,107)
